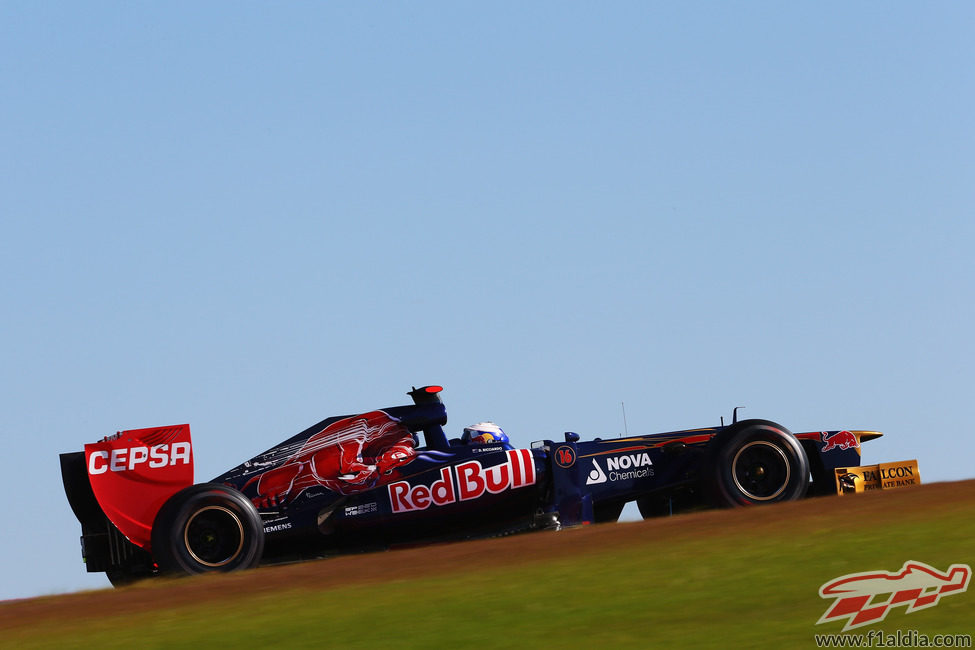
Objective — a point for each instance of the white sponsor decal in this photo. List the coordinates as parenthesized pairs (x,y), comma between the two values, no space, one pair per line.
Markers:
(363,509)
(621,468)
(628,461)
(634,465)
(596,475)
(128,458)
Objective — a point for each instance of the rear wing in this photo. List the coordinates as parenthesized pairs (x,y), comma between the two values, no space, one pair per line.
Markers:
(127,478)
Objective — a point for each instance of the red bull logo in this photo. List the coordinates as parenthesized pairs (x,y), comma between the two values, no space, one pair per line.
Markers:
(471,481)
(840,440)
(916,586)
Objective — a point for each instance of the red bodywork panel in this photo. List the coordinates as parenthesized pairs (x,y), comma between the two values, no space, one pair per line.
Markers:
(352,455)
(134,472)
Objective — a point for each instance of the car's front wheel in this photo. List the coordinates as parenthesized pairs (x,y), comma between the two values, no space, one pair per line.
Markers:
(756,462)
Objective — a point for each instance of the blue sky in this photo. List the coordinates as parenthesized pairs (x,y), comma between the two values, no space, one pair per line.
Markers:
(250,216)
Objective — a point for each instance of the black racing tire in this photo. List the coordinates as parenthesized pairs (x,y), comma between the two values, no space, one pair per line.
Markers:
(654,506)
(607,512)
(756,462)
(207,528)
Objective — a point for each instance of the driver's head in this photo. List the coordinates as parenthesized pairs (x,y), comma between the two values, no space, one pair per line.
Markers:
(484,433)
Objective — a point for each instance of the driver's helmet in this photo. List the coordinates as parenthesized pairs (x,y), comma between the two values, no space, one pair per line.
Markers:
(484,433)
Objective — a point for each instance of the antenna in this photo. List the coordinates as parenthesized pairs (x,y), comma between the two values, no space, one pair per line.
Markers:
(625,429)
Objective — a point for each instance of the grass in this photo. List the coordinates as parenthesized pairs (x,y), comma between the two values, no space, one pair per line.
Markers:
(731,579)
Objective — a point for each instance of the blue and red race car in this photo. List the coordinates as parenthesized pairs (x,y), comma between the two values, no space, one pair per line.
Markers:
(392,476)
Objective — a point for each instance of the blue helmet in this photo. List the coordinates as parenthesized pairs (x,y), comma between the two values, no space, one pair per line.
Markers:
(484,433)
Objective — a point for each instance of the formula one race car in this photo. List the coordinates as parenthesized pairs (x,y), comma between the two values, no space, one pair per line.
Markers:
(369,481)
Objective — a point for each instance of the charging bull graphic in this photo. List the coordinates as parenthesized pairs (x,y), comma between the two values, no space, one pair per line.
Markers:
(916,585)
(348,456)
(840,440)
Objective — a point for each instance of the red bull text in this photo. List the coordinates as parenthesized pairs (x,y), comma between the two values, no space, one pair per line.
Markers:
(465,482)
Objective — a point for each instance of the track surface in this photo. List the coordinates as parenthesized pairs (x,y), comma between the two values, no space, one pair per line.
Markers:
(444,559)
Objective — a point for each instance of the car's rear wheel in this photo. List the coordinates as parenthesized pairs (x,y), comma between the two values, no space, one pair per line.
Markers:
(756,462)
(207,527)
